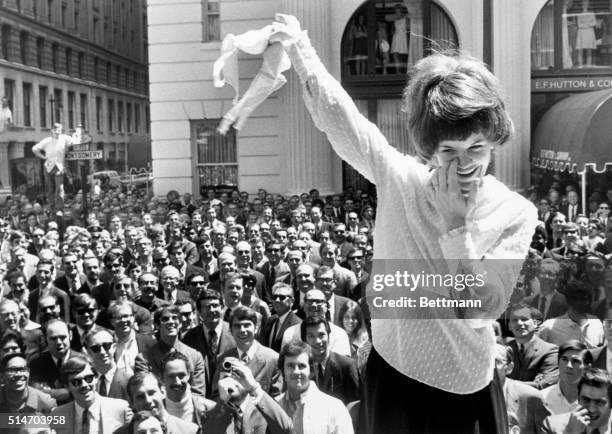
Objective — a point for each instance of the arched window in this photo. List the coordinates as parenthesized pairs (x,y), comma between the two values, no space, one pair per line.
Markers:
(381,41)
(572,35)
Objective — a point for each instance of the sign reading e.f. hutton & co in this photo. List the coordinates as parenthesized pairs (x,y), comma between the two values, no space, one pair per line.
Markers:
(569,84)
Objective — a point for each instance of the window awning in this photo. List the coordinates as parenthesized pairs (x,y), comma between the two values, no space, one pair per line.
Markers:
(575,133)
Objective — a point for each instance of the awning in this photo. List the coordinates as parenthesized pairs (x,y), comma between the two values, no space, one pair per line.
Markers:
(575,133)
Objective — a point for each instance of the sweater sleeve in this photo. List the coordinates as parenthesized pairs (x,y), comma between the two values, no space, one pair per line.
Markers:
(355,139)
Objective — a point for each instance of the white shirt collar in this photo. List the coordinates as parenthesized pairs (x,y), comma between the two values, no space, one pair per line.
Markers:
(250,352)
(94,410)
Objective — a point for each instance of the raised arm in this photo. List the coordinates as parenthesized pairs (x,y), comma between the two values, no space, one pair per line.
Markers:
(356,140)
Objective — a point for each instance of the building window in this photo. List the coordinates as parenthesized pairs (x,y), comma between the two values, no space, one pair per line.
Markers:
(9,92)
(71,102)
(147,119)
(56,114)
(40,50)
(50,11)
(572,35)
(23,47)
(76,21)
(117,77)
(108,73)
(54,56)
(81,64)
(68,60)
(63,17)
(84,109)
(35,9)
(210,21)
(111,114)
(96,29)
(128,114)
(136,118)
(43,97)
(216,162)
(120,116)
(96,69)
(27,104)
(99,113)
(5,42)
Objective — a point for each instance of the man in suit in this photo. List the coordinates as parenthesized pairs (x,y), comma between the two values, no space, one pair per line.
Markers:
(356,261)
(149,285)
(320,225)
(593,413)
(346,280)
(189,248)
(89,409)
(283,318)
(179,261)
(45,369)
(274,268)
(85,311)
(101,346)
(262,361)
(243,266)
(550,302)
(243,406)
(180,401)
(522,400)
(170,279)
(326,282)
(211,338)
(44,273)
(146,393)
(72,280)
(168,321)
(335,374)
(572,208)
(534,360)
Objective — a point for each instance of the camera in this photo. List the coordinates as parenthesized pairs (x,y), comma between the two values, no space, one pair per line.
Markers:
(227,365)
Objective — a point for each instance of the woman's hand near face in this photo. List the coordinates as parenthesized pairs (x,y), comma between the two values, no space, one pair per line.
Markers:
(454,205)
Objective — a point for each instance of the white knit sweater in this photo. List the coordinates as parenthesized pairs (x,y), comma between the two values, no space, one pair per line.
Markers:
(455,355)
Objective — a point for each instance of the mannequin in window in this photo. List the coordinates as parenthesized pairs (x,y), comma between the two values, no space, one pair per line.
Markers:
(399,43)
(585,38)
(359,40)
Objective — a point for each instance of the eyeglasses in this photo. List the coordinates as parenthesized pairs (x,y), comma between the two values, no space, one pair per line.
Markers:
(316,302)
(168,318)
(280,297)
(198,282)
(123,285)
(76,382)
(604,207)
(149,282)
(97,348)
(124,317)
(355,258)
(85,311)
(273,250)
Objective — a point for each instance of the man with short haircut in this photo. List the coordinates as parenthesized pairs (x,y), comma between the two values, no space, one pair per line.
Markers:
(101,348)
(179,261)
(602,356)
(345,279)
(522,401)
(534,360)
(148,285)
(274,268)
(243,406)
(170,282)
(93,284)
(146,392)
(85,311)
(72,280)
(303,398)
(577,323)
(179,401)
(17,396)
(550,302)
(262,361)
(129,342)
(315,304)
(326,282)
(213,337)
(232,293)
(334,373)
(11,319)
(356,262)
(283,318)
(208,261)
(244,265)
(574,358)
(167,322)
(44,273)
(45,369)
(49,309)
(593,413)
(188,318)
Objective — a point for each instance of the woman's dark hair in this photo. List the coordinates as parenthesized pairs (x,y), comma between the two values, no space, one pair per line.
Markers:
(142,416)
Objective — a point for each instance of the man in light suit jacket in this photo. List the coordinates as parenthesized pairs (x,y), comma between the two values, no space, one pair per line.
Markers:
(534,360)
(282,300)
(88,408)
(550,302)
(243,406)
(594,391)
(209,305)
(101,347)
(145,392)
(262,361)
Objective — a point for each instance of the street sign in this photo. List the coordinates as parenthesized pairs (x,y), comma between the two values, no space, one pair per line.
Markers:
(84,155)
(84,147)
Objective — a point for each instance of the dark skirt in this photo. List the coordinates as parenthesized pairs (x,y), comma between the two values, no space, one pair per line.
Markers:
(394,403)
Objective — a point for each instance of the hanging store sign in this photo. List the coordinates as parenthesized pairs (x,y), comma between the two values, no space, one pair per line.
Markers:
(569,84)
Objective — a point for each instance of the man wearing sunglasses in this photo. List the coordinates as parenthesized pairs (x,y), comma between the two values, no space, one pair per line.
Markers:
(168,323)
(85,312)
(89,412)
(101,347)
(283,318)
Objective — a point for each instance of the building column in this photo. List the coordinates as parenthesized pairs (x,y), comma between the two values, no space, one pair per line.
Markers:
(512,65)
(4,165)
(308,156)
